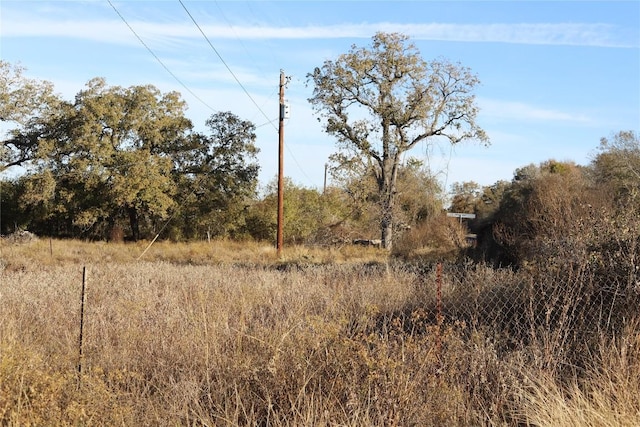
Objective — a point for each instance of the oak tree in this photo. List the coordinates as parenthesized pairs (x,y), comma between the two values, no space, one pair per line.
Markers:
(23,102)
(382,100)
(109,154)
(218,174)
(418,193)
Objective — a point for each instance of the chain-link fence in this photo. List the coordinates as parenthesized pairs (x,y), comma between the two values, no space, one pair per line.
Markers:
(563,306)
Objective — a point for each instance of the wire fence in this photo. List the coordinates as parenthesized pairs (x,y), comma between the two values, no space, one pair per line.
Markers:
(564,307)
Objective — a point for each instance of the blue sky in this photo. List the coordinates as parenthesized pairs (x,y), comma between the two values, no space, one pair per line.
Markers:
(556,76)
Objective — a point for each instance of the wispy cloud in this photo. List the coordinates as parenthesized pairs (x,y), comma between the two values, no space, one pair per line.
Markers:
(601,35)
(510,110)
(577,34)
(112,31)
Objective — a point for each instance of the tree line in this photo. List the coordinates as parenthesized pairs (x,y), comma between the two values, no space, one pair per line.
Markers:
(118,162)
(117,159)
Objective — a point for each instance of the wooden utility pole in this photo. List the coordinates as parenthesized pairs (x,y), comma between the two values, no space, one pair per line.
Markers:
(280,238)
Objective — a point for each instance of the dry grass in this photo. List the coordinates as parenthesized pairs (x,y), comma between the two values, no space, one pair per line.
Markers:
(607,396)
(225,334)
(52,252)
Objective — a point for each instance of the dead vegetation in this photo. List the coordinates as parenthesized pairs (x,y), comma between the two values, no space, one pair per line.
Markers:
(226,334)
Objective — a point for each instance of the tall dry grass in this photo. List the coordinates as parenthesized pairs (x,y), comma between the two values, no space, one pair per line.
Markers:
(226,334)
(52,252)
(607,395)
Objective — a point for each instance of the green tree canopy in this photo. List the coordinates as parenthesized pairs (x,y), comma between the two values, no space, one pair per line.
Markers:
(110,155)
(310,216)
(23,102)
(118,157)
(219,173)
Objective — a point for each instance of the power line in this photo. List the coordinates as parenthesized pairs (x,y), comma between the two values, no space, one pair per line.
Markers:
(234,31)
(226,65)
(244,47)
(270,121)
(298,164)
(158,59)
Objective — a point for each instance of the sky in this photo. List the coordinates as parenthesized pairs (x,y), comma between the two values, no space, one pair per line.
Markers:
(556,76)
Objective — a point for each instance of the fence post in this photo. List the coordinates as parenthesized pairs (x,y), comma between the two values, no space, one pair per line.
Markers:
(82,299)
(439,316)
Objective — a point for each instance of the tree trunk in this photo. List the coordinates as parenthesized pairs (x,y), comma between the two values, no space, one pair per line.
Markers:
(387,188)
(386,211)
(135,223)
(387,232)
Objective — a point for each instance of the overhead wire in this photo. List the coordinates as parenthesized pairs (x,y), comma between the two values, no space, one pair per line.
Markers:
(266,46)
(298,164)
(269,121)
(225,63)
(158,58)
(444,158)
(224,16)
(244,47)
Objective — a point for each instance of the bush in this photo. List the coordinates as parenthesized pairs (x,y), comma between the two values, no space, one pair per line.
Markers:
(438,237)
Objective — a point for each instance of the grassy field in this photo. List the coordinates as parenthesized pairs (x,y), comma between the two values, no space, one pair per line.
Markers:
(225,334)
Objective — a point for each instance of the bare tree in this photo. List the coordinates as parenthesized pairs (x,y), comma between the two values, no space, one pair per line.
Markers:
(381,101)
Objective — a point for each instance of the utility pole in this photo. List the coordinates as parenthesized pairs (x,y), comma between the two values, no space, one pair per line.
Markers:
(280,238)
(324,187)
